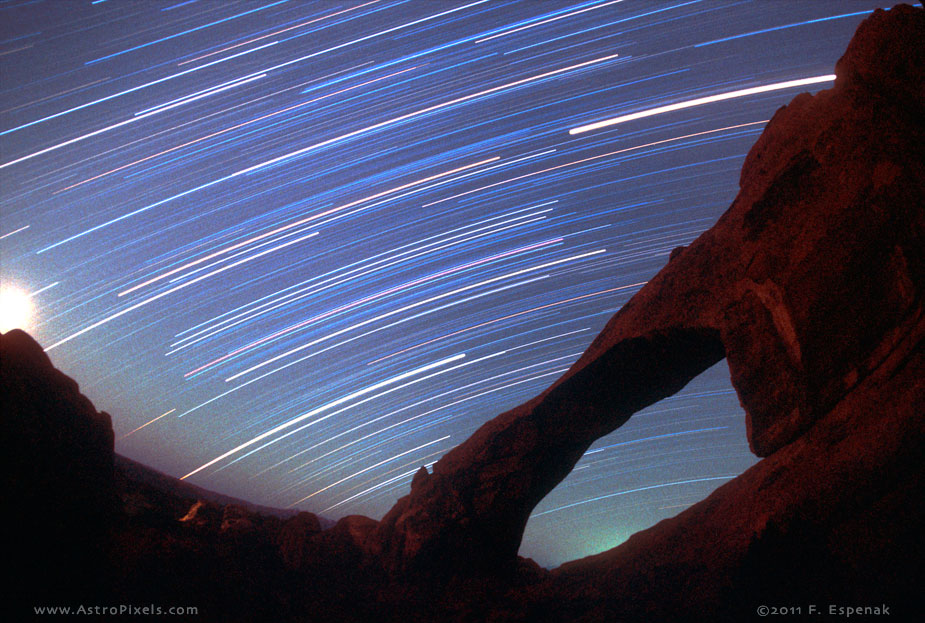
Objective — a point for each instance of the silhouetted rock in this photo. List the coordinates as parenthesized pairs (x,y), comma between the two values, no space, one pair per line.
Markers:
(58,486)
(811,285)
(295,540)
(237,521)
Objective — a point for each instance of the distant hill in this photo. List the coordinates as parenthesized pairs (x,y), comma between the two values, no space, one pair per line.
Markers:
(136,472)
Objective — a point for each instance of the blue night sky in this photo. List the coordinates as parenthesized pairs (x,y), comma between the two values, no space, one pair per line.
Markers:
(299,249)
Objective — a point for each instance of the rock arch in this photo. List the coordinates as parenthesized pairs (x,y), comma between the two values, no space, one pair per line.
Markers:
(828,220)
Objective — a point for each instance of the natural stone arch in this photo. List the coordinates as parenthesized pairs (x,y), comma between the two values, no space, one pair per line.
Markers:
(811,225)
(481,494)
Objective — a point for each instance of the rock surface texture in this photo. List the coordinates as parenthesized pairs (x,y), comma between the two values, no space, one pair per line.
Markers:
(811,285)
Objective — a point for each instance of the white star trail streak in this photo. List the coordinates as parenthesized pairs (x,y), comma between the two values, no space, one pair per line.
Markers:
(700,101)
(318,410)
(262,234)
(364,470)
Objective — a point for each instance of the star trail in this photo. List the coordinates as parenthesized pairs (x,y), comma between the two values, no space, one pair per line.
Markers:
(299,249)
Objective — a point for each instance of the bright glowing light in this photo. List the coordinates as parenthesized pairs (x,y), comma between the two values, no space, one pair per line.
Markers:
(15,309)
(702,100)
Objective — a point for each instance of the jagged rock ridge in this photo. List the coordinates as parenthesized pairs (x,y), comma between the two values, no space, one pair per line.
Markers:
(810,285)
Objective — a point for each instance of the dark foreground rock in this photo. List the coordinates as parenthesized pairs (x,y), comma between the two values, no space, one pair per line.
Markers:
(811,285)
(58,486)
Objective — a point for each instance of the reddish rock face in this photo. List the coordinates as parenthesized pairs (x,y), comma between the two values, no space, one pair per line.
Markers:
(809,284)
(295,539)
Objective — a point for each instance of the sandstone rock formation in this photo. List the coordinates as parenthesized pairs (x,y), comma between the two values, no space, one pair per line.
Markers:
(811,285)
(59,483)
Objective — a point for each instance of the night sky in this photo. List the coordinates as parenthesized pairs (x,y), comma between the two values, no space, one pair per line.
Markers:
(299,249)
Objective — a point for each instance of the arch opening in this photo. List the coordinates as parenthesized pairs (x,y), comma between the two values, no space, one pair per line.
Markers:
(665,458)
